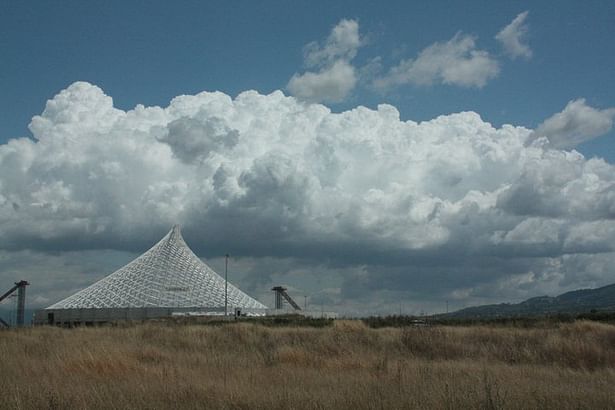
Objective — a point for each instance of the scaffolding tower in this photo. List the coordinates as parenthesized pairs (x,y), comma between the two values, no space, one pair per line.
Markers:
(280,295)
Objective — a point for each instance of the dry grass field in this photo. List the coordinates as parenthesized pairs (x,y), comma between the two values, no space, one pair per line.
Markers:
(345,366)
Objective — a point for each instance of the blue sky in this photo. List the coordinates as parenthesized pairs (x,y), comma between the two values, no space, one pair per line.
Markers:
(149,52)
(107,139)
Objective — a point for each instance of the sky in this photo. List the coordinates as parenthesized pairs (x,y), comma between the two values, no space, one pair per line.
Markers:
(373,158)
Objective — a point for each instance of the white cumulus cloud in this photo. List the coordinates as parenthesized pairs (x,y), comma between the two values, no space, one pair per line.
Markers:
(335,77)
(359,201)
(331,84)
(513,37)
(342,44)
(455,62)
(576,123)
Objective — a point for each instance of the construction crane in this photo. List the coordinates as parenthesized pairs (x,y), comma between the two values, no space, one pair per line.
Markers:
(20,287)
(280,292)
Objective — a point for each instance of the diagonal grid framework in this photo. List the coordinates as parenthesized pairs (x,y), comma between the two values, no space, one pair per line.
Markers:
(167,275)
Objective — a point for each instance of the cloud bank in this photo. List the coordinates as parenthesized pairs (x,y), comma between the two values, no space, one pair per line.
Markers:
(360,201)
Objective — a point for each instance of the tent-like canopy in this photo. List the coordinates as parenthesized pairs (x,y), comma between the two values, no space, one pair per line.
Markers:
(168,276)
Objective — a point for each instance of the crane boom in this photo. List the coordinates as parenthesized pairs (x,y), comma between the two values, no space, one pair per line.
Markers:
(21,301)
(8,293)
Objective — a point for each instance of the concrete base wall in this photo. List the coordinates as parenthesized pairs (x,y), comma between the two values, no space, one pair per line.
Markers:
(73,317)
(307,313)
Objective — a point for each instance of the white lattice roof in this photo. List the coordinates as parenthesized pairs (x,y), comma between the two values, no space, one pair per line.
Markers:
(167,275)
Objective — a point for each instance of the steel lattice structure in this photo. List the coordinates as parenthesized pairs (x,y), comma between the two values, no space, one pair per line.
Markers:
(169,275)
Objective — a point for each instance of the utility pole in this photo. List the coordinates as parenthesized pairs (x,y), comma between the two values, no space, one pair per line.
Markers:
(226,285)
(447,307)
(304,302)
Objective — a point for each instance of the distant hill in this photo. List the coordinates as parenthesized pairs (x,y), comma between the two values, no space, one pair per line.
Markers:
(574,302)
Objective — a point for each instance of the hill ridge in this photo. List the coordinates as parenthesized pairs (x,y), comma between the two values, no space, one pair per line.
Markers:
(574,301)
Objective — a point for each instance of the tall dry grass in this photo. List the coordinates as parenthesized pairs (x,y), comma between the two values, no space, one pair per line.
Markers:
(347,366)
